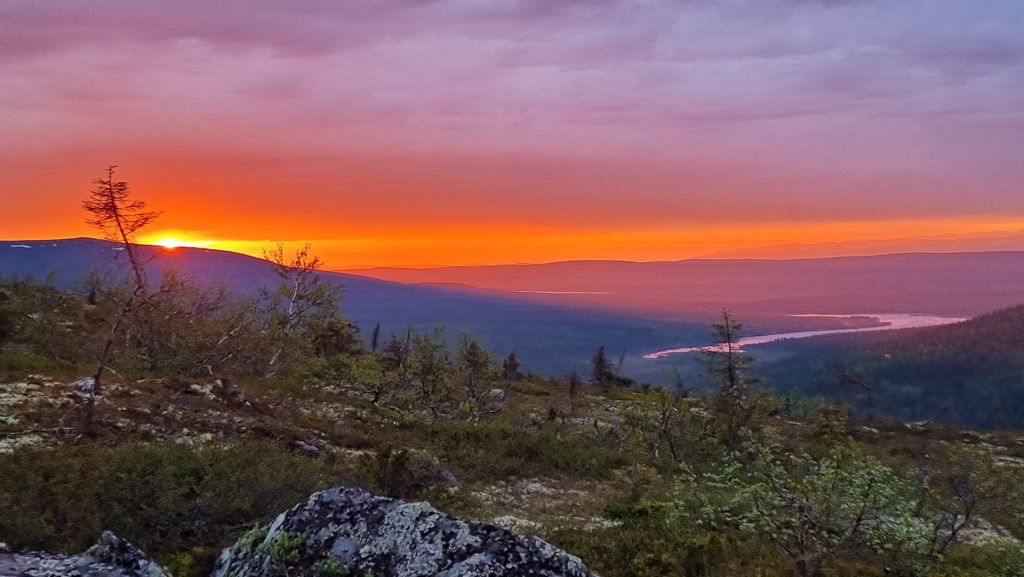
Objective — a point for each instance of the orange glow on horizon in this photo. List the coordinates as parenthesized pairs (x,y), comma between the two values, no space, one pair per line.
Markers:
(173,240)
(425,247)
(169,243)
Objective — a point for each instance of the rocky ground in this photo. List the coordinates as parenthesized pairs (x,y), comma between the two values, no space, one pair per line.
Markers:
(343,426)
(336,532)
(110,557)
(41,412)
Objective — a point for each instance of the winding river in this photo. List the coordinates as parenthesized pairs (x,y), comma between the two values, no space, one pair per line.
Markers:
(887,322)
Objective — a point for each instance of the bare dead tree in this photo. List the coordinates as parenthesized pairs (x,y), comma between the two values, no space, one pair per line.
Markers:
(118,216)
(849,378)
(301,293)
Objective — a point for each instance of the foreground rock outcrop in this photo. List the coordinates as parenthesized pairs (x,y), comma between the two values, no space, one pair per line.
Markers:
(339,532)
(111,557)
(345,531)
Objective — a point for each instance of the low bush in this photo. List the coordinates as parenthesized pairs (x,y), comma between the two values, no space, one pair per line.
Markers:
(179,504)
(496,449)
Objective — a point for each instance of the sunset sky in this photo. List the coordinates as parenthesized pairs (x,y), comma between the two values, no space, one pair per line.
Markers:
(473,131)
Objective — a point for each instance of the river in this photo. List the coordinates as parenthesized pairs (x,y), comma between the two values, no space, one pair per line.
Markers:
(887,322)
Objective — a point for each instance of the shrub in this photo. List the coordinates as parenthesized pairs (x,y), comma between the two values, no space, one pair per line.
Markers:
(401,473)
(51,500)
(178,504)
(494,449)
(644,546)
(989,560)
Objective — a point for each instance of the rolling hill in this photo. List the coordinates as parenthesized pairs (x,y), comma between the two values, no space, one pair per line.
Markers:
(549,338)
(953,284)
(556,315)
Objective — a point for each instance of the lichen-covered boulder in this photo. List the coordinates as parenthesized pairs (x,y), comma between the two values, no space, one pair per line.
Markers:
(346,531)
(111,557)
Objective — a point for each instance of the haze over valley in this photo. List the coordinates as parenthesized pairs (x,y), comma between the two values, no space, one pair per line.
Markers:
(653,317)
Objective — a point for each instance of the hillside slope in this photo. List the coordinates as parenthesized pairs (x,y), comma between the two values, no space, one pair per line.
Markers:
(970,372)
(548,338)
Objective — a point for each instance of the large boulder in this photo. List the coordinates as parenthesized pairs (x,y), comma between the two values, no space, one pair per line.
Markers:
(111,557)
(346,531)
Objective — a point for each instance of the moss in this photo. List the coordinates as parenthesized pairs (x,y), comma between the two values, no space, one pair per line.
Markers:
(331,567)
(252,537)
(285,549)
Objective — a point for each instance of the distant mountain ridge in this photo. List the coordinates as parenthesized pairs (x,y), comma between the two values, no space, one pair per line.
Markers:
(974,243)
(953,284)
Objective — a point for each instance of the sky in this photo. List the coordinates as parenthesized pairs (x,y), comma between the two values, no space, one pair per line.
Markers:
(390,132)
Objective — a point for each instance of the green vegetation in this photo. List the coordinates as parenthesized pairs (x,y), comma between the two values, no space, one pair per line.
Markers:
(180,504)
(636,481)
(285,549)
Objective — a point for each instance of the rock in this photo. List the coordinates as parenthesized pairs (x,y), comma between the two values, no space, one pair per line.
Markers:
(200,391)
(111,557)
(494,400)
(85,385)
(448,478)
(347,531)
(307,448)
(115,551)
(228,390)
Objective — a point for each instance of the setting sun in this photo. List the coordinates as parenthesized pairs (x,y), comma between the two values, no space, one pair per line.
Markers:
(169,243)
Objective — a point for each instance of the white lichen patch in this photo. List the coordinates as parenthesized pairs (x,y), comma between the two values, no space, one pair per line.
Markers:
(11,444)
(513,523)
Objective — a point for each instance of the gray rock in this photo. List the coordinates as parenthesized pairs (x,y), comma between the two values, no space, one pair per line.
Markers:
(111,557)
(228,390)
(85,385)
(346,531)
(493,400)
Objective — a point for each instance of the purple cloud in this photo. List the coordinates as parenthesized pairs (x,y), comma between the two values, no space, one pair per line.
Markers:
(788,105)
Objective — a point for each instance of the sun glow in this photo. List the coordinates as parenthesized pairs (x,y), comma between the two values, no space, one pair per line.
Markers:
(173,240)
(169,243)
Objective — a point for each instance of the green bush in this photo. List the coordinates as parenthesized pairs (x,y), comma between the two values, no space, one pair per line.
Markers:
(990,560)
(17,362)
(401,473)
(645,546)
(52,500)
(179,504)
(493,449)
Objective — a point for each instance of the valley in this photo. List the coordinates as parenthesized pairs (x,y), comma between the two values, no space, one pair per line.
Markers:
(884,322)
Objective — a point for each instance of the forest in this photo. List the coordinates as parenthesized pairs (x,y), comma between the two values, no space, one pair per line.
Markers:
(970,372)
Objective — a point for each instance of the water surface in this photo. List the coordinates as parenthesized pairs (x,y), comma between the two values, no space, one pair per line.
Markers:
(886,322)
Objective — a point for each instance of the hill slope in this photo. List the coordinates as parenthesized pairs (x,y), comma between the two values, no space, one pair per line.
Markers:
(548,338)
(970,372)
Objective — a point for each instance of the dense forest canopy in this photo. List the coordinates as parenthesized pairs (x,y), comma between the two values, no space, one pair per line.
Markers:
(970,372)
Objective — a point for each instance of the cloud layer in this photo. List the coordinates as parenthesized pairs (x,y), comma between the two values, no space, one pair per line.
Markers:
(582,115)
